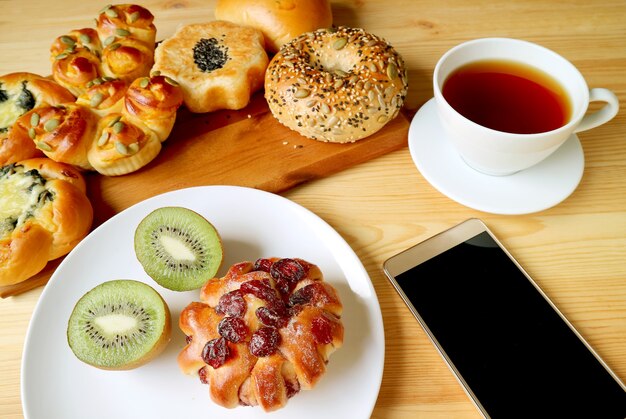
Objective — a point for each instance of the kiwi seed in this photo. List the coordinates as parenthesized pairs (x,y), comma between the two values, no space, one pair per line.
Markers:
(119,325)
(178,248)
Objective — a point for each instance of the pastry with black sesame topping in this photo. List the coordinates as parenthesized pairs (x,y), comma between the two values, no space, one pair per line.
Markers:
(217,64)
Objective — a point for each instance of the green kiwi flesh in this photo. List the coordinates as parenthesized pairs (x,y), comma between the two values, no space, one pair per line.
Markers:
(178,248)
(119,325)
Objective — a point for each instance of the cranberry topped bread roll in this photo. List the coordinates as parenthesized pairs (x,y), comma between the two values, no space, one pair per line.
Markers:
(218,64)
(19,93)
(262,333)
(121,46)
(44,213)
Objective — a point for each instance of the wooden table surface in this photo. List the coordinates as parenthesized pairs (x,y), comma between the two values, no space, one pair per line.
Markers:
(576,250)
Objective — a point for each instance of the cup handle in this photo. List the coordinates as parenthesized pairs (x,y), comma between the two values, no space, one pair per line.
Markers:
(605,114)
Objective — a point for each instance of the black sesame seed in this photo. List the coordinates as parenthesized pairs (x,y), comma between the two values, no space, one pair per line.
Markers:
(210,55)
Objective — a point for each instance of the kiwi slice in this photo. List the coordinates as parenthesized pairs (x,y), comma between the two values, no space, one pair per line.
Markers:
(119,325)
(178,248)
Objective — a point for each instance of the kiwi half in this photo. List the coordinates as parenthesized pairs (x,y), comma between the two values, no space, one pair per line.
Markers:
(178,248)
(119,325)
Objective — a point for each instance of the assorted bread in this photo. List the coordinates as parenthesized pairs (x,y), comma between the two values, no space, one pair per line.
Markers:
(337,85)
(265,330)
(218,64)
(331,84)
(44,213)
(262,333)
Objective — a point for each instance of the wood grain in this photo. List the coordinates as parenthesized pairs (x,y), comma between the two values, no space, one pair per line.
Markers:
(245,148)
(576,251)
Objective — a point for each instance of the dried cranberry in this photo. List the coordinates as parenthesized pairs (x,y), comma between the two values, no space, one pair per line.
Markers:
(284,287)
(263,265)
(272,317)
(202,374)
(233,329)
(289,270)
(322,330)
(302,296)
(295,310)
(215,352)
(232,304)
(264,341)
(292,387)
(261,289)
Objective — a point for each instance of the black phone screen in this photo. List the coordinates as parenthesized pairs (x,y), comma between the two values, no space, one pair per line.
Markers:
(514,351)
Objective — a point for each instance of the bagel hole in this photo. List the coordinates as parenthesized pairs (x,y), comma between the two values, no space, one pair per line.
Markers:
(338,60)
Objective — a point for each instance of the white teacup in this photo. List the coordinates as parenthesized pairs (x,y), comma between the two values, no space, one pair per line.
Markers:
(502,153)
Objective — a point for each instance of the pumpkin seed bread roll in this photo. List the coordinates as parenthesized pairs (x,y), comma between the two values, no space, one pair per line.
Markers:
(114,144)
(131,139)
(121,46)
(120,21)
(127,59)
(19,93)
(154,102)
(44,214)
(109,127)
(336,85)
(104,96)
(122,147)
(218,64)
(75,59)
(63,133)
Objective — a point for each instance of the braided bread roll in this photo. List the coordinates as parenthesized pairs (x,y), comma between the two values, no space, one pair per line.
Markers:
(47,214)
(126,138)
(262,333)
(19,93)
(122,147)
(131,139)
(63,133)
(104,97)
(153,101)
(121,46)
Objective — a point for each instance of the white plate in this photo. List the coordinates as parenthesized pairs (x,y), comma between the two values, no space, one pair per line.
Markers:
(535,189)
(253,224)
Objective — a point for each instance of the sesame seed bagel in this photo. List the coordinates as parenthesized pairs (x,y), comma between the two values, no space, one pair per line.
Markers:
(336,85)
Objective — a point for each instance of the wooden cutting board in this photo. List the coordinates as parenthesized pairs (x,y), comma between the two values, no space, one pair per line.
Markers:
(244,148)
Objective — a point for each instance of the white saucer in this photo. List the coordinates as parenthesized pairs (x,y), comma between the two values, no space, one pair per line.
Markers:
(535,189)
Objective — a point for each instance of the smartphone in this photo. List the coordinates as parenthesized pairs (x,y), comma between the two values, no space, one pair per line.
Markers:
(508,345)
